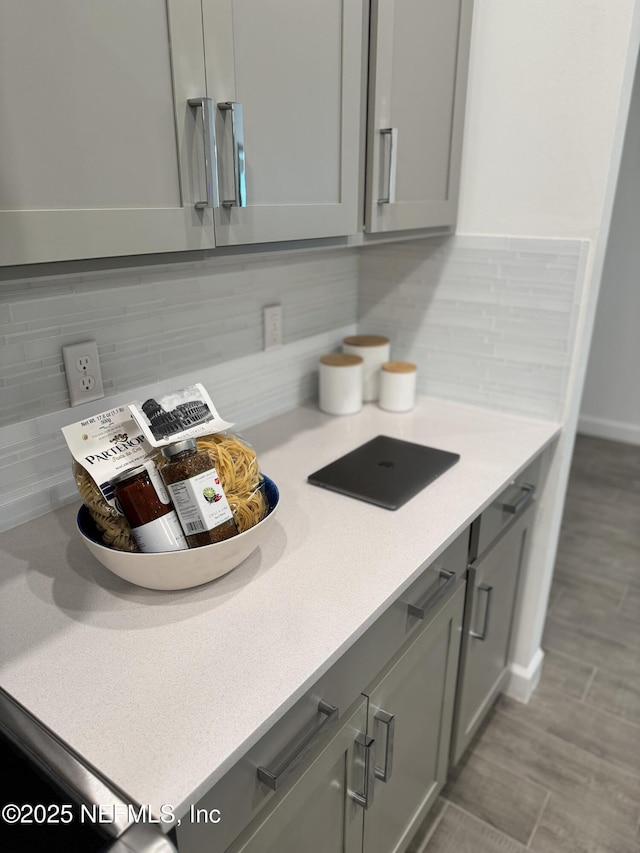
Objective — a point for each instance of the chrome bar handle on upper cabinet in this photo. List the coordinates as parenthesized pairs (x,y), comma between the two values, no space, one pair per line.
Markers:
(482,635)
(388,720)
(365,798)
(210,151)
(272,777)
(392,133)
(237,136)
(420,610)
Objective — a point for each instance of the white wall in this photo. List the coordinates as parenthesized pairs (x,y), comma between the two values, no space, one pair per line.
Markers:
(544,90)
(548,98)
(611,399)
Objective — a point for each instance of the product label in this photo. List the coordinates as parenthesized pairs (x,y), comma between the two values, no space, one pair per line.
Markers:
(200,502)
(184,413)
(105,445)
(162,534)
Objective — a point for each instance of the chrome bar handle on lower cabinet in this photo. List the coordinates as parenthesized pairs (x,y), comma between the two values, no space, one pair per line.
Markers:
(271,777)
(420,610)
(482,635)
(237,136)
(524,500)
(210,151)
(392,133)
(365,798)
(388,720)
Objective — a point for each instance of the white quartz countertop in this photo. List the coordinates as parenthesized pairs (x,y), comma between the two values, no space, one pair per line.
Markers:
(163,692)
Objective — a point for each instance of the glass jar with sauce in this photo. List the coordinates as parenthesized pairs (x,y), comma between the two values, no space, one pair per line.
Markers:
(197,494)
(146,505)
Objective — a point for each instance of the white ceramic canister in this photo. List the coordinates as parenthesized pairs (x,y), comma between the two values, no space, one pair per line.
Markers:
(374,350)
(340,378)
(397,386)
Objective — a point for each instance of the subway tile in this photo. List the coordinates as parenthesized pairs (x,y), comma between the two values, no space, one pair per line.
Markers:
(441,301)
(542,270)
(549,246)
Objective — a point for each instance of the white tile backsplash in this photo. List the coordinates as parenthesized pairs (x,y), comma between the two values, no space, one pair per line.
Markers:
(488,320)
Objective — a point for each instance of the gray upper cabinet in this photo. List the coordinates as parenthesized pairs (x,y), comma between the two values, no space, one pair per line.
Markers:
(104,150)
(295,69)
(419,55)
(173,125)
(98,146)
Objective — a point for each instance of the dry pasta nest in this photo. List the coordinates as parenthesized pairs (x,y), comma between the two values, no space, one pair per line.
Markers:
(115,529)
(237,465)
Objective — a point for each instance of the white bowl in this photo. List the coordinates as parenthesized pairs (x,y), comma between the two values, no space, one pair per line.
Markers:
(180,569)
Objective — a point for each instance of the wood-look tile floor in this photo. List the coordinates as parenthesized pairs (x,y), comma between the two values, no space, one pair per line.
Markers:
(562,774)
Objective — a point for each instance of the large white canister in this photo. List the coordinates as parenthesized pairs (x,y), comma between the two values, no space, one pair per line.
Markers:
(340,380)
(374,351)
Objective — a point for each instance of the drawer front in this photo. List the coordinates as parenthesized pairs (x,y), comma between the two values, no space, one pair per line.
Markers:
(320,813)
(512,501)
(241,795)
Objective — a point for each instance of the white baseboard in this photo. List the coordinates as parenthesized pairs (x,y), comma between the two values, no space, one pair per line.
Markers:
(522,681)
(612,430)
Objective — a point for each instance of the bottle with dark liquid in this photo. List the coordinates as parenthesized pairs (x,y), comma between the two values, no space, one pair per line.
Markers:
(147,507)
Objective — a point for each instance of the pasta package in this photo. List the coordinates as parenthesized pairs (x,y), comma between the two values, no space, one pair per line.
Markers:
(190,413)
(102,446)
(237,466)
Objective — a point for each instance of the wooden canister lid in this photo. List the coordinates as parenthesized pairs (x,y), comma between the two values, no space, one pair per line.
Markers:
(341,359)
(398,367)
(366,341)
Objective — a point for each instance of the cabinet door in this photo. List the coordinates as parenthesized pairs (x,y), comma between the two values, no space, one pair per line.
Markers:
(100,154)
(296,70)
(491,593)
(410,713)
(417,90)
(319,813)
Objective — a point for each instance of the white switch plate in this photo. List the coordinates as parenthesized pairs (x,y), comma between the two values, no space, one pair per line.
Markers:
(272,326)
(82,368)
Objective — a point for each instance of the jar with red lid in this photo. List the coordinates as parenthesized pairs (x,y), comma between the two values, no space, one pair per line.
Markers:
(147,507)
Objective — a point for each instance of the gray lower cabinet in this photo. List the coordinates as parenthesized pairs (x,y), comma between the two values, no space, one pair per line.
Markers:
(391,776)
(321,812)
(358,760)
(492,582)
(410,710)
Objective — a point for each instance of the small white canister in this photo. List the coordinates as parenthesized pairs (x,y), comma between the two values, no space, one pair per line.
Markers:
(374,350)
(340,378)
(397,386)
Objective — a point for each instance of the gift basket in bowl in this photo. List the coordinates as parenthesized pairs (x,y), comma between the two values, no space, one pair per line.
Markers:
(172,497)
